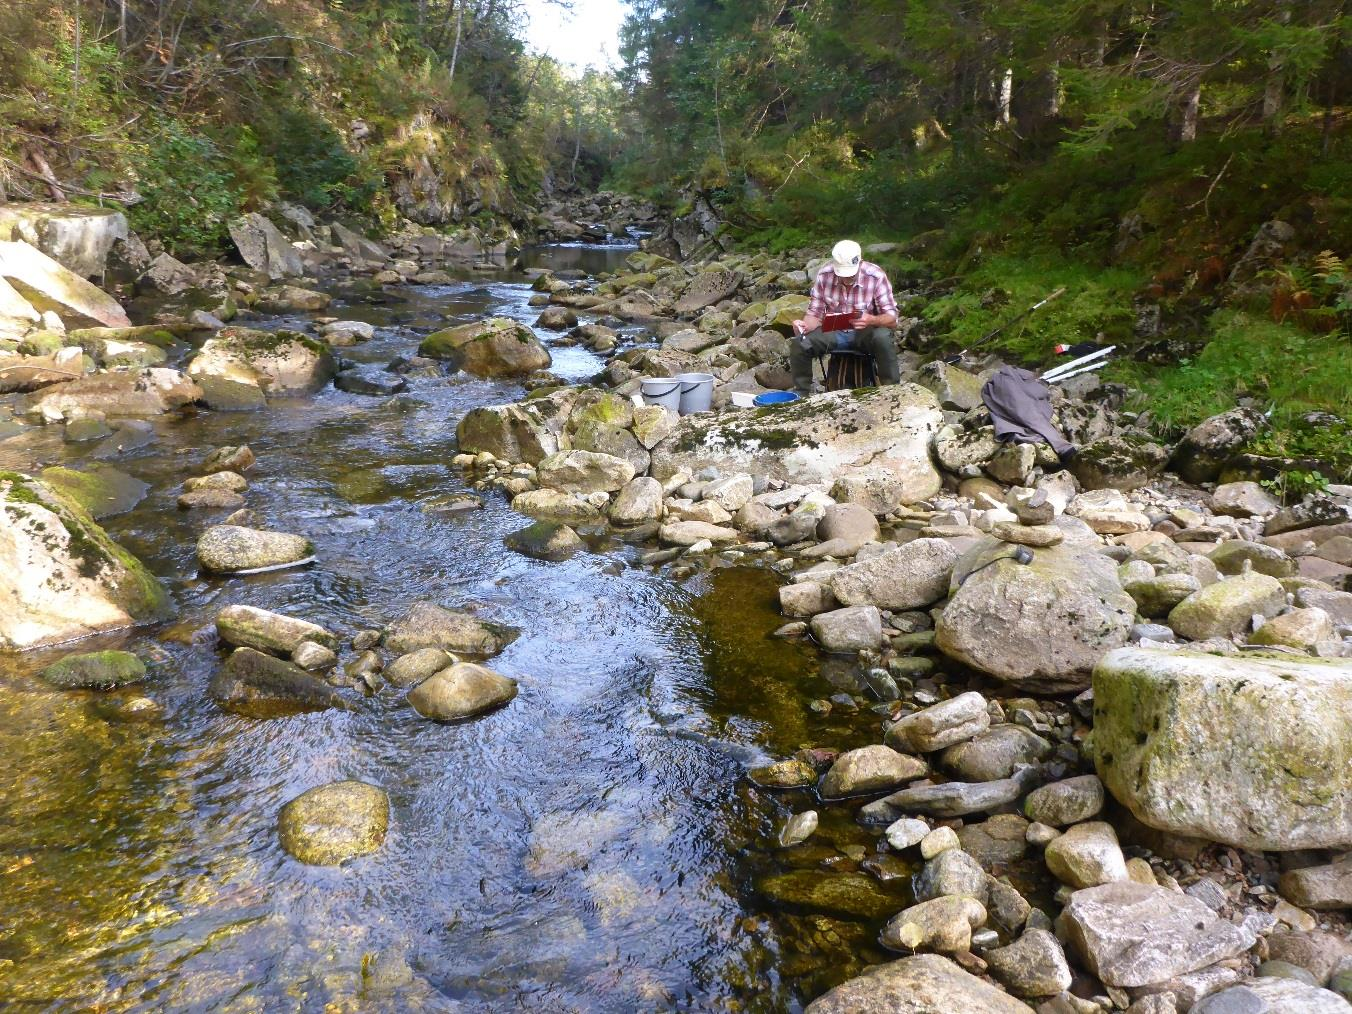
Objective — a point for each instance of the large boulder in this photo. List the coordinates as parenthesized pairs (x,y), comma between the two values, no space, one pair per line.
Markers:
(500,347)
(875,442)
(1208,447)
(528,431)
(332,823)
(239,365)
(1131,934)
(47,285)
(116,394)
(264,247)
(1253,752)
(1227,607)
(17,314)
(1041,625)
(95,670)
(61,576)
(1273,995)
(923,984)
(77,236)
(251,627)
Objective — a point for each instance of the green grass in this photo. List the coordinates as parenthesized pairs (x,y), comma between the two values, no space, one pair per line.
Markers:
(1097,301)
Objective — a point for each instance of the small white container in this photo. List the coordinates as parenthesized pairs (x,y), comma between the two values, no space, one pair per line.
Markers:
(743,399)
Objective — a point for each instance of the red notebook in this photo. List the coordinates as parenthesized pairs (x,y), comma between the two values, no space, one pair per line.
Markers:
(839,321)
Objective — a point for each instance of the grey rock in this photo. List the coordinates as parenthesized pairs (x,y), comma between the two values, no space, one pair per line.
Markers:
(949,874)
(257,685)
(1131,934)
(461,691)
(923,984)
(852,629)
(1033,966)
(995,753)
(941,725)
(1273,996)
(1066,802)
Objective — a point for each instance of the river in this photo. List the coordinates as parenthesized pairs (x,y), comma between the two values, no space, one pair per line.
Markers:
(593,846)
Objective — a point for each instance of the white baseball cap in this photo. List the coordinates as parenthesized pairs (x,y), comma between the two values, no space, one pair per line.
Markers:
(845,257)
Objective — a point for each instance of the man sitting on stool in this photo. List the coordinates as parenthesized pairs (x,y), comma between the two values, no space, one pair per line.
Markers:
(848,284)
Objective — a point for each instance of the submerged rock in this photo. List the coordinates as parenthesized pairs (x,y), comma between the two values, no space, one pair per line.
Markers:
(61,576)
(544,541)
(261,686)
(844,894)
(332,823)
(233,549)
(1252,752)
(427,625)
(98,670)
(461,691)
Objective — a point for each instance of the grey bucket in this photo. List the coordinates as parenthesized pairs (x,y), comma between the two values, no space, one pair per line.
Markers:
(662,391)
(697,392)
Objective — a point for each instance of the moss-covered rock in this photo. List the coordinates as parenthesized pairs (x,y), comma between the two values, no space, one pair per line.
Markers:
(1254,752)
(96,670)
(238,366)
(100,490)
(61,576)
(500,347)
(336,822)
(1226,608)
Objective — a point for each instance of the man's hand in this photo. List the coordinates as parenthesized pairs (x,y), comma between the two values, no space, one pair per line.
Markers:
(806,324)
(864,320)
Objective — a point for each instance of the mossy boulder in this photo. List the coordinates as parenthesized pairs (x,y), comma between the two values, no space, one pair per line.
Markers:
(336,822)
(852,895)
(61,576)
(873,444)
(427,625)
(1227,608)
(1120,462)
(1254,752)
(96,670)
(500,347)
(234,549)
(528,431)
(462,690)
(239,366)
(257,685)
(101,490)
(544,540)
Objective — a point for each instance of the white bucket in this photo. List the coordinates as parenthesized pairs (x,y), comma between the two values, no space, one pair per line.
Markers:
(743,399)
(697,392)
(662,391)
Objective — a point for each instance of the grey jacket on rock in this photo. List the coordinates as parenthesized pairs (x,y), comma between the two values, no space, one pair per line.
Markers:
(1021,406)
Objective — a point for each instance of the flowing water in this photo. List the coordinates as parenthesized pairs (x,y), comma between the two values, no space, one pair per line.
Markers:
(593,846)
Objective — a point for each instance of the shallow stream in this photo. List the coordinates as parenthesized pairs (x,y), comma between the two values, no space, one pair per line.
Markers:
(593,846)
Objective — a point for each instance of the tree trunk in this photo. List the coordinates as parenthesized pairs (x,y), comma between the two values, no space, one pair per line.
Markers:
(1053,108)
(1192,101)
(1006,95)
(455,49)
(122,25)
(1274,92)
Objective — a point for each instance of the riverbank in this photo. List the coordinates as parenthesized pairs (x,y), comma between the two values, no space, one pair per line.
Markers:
(642,657)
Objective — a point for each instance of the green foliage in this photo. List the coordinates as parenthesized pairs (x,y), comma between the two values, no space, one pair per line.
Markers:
(189,194)
(1247,357)
(1294,484)
(312,165)
(1097,304)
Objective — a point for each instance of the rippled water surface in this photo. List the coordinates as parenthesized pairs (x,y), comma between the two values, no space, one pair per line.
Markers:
(593,846)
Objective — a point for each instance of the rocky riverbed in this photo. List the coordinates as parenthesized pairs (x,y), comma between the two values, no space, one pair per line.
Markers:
(459,677)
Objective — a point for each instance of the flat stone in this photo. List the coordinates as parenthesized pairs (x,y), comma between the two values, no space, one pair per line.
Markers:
(416,666)
(1273,996)
(1131,934)
(912,576)
(250,627)
(940,725)
(1071,801)
(1037,536)
(1319,888)
(957,799)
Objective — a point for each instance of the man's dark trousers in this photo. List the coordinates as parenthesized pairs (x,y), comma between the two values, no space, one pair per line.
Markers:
(877,341)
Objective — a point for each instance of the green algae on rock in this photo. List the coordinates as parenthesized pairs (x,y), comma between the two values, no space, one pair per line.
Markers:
(61,576)
(332,823)
(1254,752)
(96,670)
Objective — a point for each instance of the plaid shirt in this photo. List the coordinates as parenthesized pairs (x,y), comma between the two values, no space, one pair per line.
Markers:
(871,292)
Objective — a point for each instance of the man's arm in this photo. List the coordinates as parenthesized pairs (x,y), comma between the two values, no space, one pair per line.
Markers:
(816,307)
(886,303)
